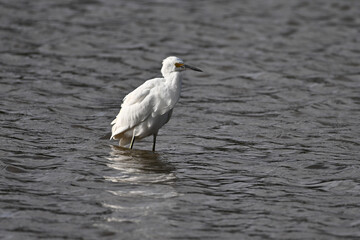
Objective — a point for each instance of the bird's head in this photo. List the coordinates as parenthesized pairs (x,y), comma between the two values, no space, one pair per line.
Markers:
(175,64)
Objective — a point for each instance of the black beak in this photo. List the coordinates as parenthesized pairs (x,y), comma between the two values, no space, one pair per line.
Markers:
(193,68)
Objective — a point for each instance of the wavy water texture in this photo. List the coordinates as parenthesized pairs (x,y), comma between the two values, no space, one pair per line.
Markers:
(264,144)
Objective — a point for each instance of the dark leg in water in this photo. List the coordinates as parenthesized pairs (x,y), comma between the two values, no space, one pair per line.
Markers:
(132,142)
(154,142)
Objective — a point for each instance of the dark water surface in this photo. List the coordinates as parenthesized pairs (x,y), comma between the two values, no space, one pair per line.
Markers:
(263,145)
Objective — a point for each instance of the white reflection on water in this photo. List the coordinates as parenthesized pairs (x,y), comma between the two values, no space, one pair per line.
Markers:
(137,167)
(143,183)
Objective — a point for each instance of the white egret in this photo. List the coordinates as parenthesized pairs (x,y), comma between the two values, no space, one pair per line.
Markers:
(149,107)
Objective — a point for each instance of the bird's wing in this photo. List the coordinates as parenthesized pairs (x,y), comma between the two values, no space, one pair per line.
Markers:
(163,101)
(136,107)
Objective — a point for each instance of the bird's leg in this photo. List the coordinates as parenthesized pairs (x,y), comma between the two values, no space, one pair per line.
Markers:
(132,141)
(154,142)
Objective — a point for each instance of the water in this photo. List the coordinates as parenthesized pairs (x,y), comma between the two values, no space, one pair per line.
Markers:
(263,145)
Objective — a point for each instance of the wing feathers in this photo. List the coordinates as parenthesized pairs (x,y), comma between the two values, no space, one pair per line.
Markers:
(137,106)
(151,99)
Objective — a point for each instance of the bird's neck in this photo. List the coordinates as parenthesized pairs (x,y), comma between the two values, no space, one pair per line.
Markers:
(173,80)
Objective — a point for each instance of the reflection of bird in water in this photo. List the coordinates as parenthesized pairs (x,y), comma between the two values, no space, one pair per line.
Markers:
(137,162)
(149,107)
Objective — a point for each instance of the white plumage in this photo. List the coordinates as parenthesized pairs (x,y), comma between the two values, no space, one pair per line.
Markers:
(146,109)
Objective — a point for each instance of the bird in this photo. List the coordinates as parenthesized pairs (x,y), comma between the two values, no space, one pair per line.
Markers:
(149,107)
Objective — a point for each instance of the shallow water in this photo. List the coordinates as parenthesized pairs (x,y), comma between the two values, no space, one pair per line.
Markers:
(263,145)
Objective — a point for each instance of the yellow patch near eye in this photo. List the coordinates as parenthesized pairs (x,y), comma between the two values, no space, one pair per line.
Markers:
(179,64)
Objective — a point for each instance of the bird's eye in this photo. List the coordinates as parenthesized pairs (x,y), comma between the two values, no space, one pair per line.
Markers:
(179,64)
